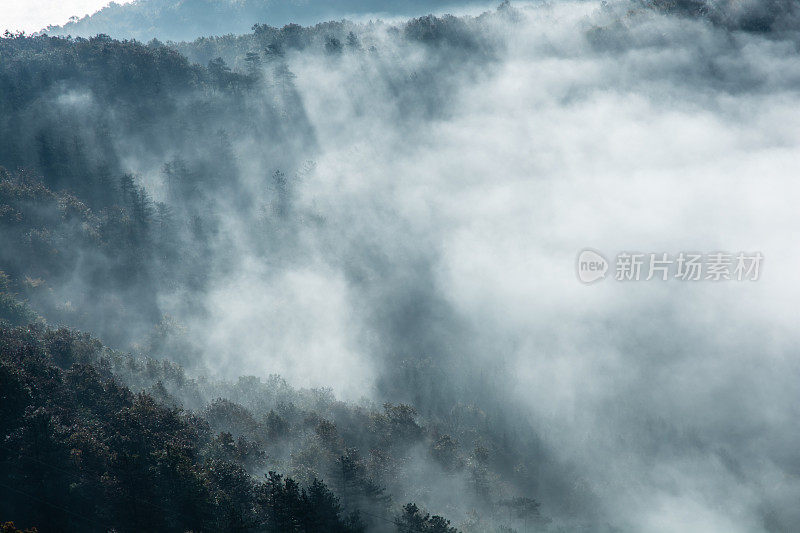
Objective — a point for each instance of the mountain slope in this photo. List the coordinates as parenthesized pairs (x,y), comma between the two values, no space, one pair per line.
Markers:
(189,19)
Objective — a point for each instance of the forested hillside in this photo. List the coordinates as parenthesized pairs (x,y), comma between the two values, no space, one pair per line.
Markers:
(83,452)
(187,20)
(134,443)
(96,439)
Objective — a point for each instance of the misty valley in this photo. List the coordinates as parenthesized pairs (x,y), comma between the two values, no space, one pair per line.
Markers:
(325,267)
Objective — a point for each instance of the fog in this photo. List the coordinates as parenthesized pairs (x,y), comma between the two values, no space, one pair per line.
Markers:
(421,248)
(451,230)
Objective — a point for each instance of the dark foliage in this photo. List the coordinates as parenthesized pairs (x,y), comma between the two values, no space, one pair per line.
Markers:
(93,439)
(80,452)
(764,16)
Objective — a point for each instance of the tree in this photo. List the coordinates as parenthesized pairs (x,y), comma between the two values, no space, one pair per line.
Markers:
(219,71)
(413,520)
(445,450)
(321,509)
(277,502)
(253,61)
(333,45)
(352,41)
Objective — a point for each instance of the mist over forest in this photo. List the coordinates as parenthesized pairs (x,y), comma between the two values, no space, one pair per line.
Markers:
(264,273)
(169,20)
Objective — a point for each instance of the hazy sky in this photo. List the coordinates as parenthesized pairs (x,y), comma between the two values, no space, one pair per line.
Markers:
(33,15)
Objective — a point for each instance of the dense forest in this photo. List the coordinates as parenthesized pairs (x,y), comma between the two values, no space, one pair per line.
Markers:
(225,303)
(96,439)
(83,452)
(184,21)
(163,19)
